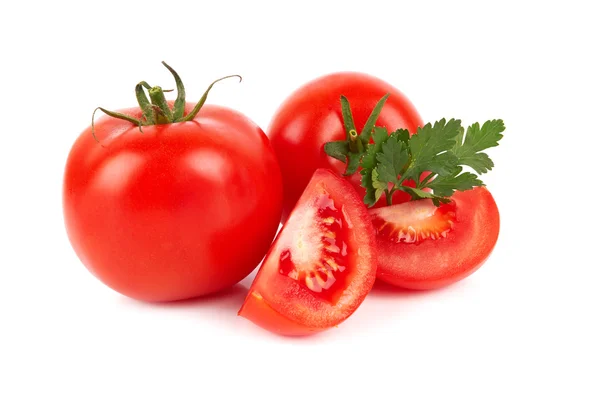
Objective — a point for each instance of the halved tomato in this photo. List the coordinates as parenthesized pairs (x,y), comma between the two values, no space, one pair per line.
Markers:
(321,265)
(421,246)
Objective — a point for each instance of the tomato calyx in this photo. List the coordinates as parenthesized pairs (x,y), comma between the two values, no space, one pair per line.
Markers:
(155,108)
(351,150)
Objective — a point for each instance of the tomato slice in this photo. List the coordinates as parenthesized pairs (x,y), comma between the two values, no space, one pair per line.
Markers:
(421,246)
(321,265)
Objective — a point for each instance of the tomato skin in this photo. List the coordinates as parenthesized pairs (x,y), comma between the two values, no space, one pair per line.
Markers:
(178,211)
(433,264)
(257,310)
(281,304)
(312,116)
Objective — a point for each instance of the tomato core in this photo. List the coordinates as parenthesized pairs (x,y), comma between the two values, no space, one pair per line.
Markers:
(414,222)
(317,256)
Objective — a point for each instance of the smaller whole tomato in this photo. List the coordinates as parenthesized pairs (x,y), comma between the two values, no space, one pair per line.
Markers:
(183,205)
(312,116)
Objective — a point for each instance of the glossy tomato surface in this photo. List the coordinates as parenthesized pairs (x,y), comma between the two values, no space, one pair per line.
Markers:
(421,246)
(312,116)
(178,211)
(320,267)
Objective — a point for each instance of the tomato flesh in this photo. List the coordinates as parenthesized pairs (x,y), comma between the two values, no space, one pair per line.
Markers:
(414,222)
(321,265)
(319,259)
(424,247)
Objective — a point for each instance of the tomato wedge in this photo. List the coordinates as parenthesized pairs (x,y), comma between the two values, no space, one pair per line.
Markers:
(421,246)
(321,265)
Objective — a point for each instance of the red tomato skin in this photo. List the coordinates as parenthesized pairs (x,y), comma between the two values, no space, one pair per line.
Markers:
(312,116)
(178,211)
(281,305)
(257,310)
(432,264)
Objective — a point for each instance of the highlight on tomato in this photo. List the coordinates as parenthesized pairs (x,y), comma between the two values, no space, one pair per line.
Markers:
(321,265)
(319,113)
(171,200)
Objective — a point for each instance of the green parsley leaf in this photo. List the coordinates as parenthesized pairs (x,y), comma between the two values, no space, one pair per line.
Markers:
(367,182)
(368,165)
(379,185)
(369,160)
(446,185)
(476,140)
(402,135)
(440,149)
(391,160)
(430,147)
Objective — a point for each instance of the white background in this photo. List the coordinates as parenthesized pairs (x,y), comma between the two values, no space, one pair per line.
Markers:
(523,326)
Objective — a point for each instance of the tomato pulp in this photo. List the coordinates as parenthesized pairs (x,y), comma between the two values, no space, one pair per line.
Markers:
(312,116)
(178,211)
(320,267)
(421,246)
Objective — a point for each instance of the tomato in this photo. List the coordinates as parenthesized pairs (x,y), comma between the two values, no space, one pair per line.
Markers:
(421,246)
(321,265)
(312,116)
(181,210)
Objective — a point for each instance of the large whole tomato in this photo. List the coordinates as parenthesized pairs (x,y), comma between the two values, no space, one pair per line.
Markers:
(312,116)
(180,210)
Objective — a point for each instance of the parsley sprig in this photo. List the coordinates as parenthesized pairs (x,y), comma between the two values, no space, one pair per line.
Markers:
(433,158)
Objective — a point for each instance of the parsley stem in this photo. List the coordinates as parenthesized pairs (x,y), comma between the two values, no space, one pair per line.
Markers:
(388,196)
(424,182)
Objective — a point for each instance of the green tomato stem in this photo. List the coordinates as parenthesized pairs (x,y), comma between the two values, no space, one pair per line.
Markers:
(179,105)
(355,144)
(202,100)
(162,112)
(114,115)
(144,103)
(156,110)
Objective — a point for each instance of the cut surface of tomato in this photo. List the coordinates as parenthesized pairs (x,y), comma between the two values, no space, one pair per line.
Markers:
(318,259)
(414,222)
(421,246)
(321,265)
